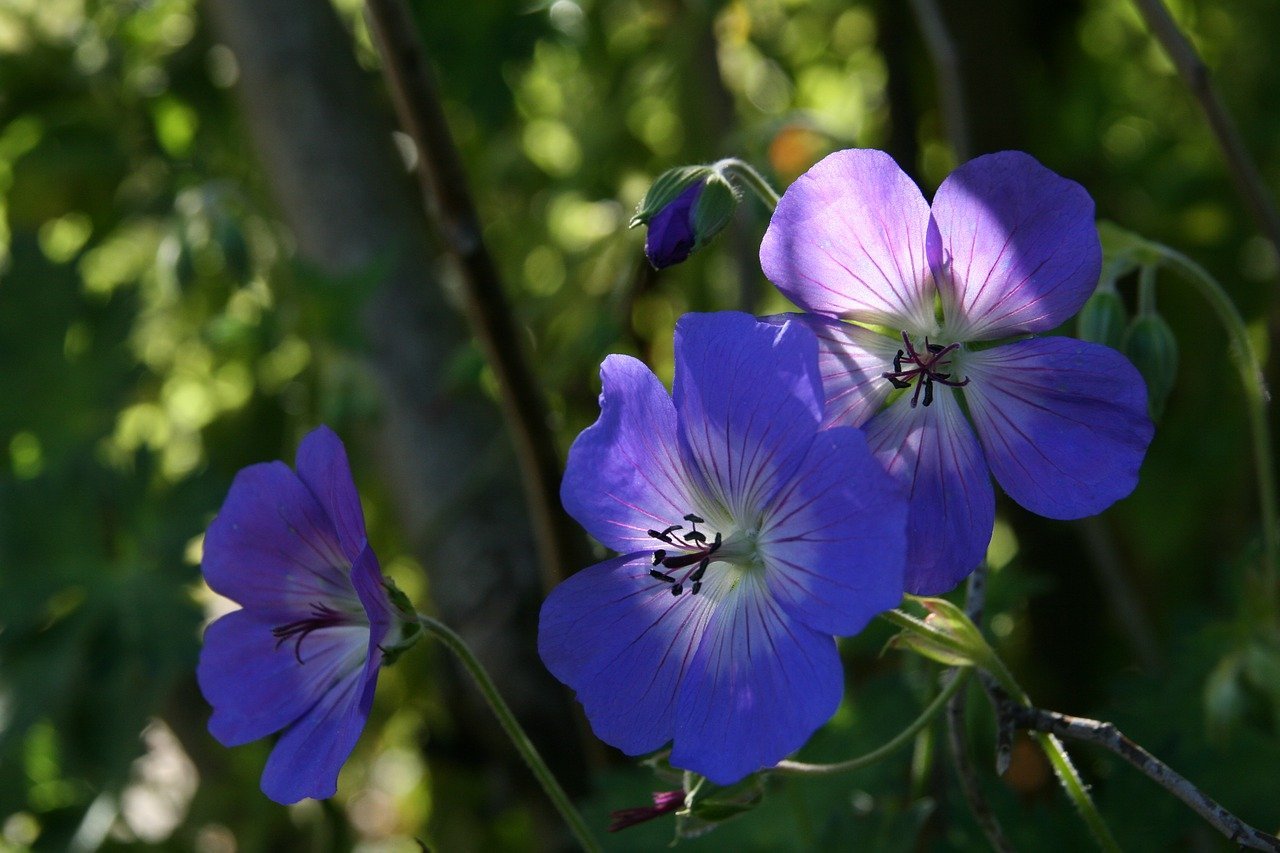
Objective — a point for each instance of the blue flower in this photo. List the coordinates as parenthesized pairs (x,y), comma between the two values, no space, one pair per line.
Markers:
(748,538)
(1007,249)
(301,656)
(671,236)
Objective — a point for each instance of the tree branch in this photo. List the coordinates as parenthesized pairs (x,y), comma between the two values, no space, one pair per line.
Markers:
(1107,735)
(444,187)
(1195,74)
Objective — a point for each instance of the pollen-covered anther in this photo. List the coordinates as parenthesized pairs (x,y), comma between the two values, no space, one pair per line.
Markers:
(697,550)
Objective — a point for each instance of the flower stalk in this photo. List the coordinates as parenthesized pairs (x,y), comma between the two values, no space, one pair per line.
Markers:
(512,727)
(959,678)
(1256,399)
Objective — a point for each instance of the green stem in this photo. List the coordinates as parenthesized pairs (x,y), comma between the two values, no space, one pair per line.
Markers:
(958,680)
(512,727)
(1146,290)
(1072,784)
(1256,400)
(753,180)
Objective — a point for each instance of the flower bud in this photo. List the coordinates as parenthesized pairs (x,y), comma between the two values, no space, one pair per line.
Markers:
(1151,346)
(1102,320)
(684,209)
(671,236)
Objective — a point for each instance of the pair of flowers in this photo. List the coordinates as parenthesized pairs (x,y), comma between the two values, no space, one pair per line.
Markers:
(803,473)
(806,471)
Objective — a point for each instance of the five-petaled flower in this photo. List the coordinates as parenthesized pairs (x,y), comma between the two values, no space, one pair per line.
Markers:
(1008,248)
(748,537)
(302,654)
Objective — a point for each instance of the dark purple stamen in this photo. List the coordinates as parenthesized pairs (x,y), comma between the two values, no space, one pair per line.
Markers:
(322,616)
(926,367)
(698,554)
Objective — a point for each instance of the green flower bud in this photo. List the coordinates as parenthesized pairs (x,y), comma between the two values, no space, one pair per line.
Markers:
(684,209)
(1151,346)
(1102,320)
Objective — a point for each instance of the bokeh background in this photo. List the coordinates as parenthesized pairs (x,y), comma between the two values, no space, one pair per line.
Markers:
(211,240)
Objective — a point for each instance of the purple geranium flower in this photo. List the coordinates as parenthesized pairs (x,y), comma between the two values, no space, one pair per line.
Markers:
(302,654)
(1008,248)
(748,538)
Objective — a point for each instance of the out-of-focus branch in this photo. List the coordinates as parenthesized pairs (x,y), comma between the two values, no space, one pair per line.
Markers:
(1122,599)
(444,185)
(946,67)
(1107,735)
(1195,74)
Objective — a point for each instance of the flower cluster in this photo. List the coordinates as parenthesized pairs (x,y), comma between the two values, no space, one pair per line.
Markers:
(804,472)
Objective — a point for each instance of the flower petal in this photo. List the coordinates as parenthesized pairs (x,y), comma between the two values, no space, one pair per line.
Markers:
(366,577)
(254,681)
(847,239)
(951,505)
(749,399)
(852,361)
(625,475)
(834,542)
(1013,247)
(309,755)
(1064,423)
(759,685)
(322,465)
(273,548)
(622,641)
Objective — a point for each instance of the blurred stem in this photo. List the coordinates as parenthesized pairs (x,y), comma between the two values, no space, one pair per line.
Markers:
(750,178)
(901,739)
(946,68)
(1066,772)
(1256,400)
(512,727)
(1147,290)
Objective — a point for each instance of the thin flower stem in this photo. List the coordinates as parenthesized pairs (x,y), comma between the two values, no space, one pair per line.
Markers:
(1256,399)
(1072,784)
(512,727)
(753,180)
(939,702)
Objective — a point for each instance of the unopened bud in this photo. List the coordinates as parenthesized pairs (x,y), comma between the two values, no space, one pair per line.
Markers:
(684,209)
(1151,346)
(1102,320)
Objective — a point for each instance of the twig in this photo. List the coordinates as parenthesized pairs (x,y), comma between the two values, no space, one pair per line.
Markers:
(1107,735)
(444,186)
(975,601)
(1195,74)
(946,66)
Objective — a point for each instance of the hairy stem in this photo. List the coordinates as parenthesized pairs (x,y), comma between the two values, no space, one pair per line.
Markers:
(753,180)
(512,727)
(959,679)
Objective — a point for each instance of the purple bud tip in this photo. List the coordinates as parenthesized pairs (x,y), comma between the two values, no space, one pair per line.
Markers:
(663,803)
(670,239)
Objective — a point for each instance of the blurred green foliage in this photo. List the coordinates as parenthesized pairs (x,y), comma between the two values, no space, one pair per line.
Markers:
(158,333)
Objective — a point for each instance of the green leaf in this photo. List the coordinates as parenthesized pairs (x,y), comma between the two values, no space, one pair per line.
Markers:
(713,210)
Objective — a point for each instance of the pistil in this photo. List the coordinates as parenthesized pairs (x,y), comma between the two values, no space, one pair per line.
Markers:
(925,368)
(698,551)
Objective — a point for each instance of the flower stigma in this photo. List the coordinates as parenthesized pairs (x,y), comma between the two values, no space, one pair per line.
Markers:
(322,616)
(925,367)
